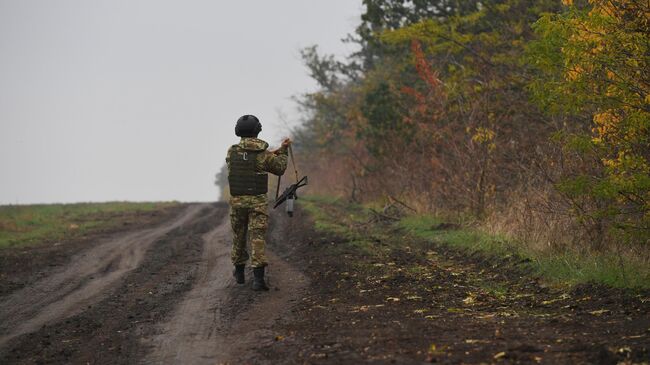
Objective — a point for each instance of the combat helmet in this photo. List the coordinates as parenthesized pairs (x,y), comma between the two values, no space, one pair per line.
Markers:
(248,126)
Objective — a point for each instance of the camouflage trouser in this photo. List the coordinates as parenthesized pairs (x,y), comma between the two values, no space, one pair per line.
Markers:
(254,221)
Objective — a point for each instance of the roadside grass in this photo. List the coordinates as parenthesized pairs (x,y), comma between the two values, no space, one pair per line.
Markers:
(349,221)
(328,216)
(567,267)
(495,289)
(337,217)
(435,229)
(29,224)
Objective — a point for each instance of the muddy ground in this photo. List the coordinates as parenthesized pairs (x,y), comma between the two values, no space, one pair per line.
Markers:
(420,302)
(161,292)
(21,266)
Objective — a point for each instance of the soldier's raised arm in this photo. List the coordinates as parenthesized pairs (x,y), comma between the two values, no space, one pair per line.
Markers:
(275,162)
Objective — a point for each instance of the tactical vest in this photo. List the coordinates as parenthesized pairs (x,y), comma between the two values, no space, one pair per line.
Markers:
(243,177)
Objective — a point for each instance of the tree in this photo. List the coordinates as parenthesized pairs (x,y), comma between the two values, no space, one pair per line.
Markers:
(594,63)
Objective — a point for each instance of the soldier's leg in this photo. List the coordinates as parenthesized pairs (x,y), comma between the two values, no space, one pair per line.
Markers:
(258,221)
(239,223)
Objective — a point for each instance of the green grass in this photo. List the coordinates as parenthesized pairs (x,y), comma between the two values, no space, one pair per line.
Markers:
(337,217)
(426,226)
(345,220)
(328,215)
(29,224)
(599,268)
(496,289)
(558,267)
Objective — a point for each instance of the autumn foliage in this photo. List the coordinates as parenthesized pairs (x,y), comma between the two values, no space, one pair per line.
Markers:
(529,116)
(599,78)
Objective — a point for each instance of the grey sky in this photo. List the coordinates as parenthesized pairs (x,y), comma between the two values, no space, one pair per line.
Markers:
(137,99)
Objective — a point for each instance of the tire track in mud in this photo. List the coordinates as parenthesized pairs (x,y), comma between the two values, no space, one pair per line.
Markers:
(81,283)
(157,295)
(104,332)
(218,320)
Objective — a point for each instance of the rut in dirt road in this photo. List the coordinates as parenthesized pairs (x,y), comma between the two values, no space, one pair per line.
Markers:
(82,282)
(218,320)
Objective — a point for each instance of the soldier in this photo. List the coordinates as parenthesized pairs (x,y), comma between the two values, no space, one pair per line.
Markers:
(248,162)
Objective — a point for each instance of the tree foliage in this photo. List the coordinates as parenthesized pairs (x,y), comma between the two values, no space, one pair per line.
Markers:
(467,106)
(594,60)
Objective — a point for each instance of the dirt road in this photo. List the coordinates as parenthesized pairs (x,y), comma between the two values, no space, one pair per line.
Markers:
(158,295)
(80,284)
(218,320)
(164,294)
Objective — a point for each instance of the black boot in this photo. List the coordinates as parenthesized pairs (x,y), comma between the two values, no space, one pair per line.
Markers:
(238,273)
(258,279)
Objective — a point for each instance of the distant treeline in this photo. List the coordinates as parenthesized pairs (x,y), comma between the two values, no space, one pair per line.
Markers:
(528,116)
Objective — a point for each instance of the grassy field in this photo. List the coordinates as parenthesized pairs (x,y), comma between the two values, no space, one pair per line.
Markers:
(559,268)
(30,224)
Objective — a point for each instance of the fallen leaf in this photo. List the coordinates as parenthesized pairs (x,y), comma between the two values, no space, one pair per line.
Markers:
(561,297)
(632,337)
(499,355)
(599,312)
(486,316)
(469,340)
(435,351)
(471,299)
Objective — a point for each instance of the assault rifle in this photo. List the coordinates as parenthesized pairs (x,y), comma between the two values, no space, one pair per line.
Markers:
(289,195)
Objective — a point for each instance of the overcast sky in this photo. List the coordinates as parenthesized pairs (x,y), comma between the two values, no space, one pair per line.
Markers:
(105,100)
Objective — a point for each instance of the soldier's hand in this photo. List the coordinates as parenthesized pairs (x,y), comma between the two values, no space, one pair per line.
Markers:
(285,144)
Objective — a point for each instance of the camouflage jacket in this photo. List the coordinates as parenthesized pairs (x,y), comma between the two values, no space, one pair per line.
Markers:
(267,161)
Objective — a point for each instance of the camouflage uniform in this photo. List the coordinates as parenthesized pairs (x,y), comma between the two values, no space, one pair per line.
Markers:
(248,213)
